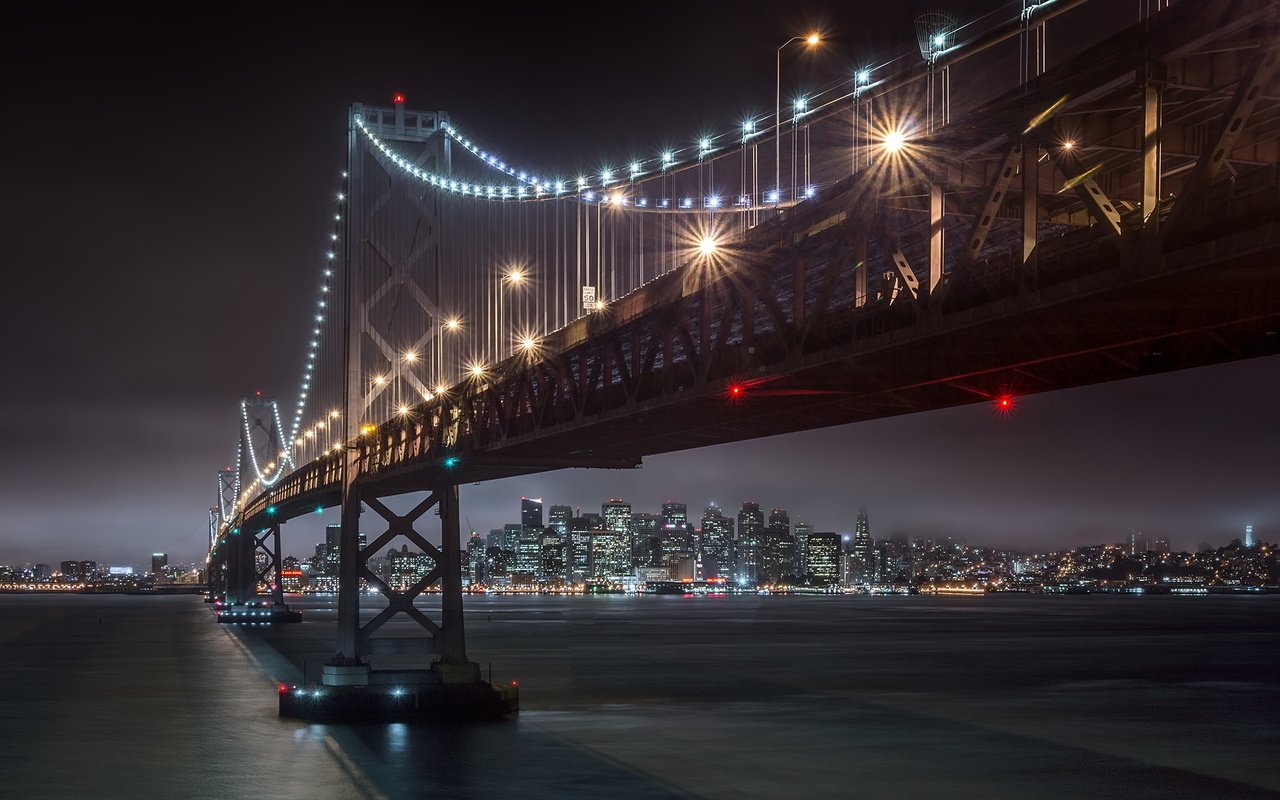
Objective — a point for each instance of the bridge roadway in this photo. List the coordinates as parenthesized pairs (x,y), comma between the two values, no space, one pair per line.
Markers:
(817,317)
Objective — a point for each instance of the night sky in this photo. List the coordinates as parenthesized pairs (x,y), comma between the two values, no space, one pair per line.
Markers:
(167,185)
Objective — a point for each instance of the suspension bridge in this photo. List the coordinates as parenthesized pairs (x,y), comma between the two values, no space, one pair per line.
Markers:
(974,221)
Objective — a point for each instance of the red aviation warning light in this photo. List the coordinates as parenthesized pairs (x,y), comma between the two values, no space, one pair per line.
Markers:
(735,390)
(398,98)
(1004,404)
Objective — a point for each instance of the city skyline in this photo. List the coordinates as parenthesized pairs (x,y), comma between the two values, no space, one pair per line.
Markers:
(295,535)
(1184,453)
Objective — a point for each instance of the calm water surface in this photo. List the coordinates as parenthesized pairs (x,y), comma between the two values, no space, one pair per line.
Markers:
(655,697)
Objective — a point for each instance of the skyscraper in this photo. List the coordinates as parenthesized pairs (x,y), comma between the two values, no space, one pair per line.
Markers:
(553,555)
(863,567)
(158,562)
(333,548)
(531,512)
(803,530)
(497,538)
(560,518)
(674,513)
(610,554)
(475,558)
(715,543)
(617,518)
(578,550)
(526,546)
(824,558)
(647,530)
(750,535)
(777,549)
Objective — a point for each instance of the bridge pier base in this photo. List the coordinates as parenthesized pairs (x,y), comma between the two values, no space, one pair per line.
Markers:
(449,687)
(242,604)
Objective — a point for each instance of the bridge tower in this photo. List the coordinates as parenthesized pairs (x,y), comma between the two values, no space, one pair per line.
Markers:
(395,287)
(250,557)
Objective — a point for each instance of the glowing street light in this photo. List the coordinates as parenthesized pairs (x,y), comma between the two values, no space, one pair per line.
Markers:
(894,141)
(812,40)
(707,246)
(528,344)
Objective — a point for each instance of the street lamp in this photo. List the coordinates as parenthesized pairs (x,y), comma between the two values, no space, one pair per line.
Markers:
(453,325)
(811,40)
(513,276)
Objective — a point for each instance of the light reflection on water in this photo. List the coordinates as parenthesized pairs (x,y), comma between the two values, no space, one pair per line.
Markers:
(666,697)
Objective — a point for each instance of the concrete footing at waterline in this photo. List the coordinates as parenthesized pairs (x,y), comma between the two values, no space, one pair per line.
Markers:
(396,702)
(250,614)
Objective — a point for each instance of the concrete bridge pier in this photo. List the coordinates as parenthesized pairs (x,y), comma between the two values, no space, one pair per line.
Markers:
(241,603)
(450,686)
(453,665)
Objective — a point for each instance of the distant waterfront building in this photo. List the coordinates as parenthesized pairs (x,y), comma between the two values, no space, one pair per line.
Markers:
(332,548)
(158,563)
(674,513)
(893,561)
(617,518)
(824,558)
(496,570)
(646,530)
(497,538)
(750,534)
(528,547)
(475,558)
(777,548)
(610,554)
(1138,544)
(677,550)
(715,543)
(862,568)
(78,571)
(291,580)
(553,555)
(560,517)
(42,572)
(802,532)
(406,567)
(578,548)
(525,544)
(531,512)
